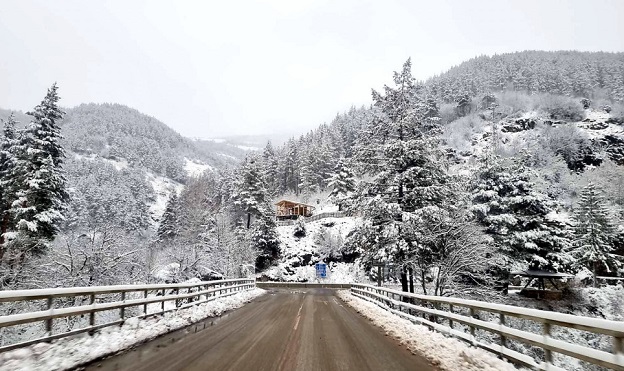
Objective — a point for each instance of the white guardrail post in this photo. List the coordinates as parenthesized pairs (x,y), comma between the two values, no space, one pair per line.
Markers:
(434,316)
(102,299)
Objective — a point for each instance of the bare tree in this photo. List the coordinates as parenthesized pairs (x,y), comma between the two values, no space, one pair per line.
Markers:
(453,253)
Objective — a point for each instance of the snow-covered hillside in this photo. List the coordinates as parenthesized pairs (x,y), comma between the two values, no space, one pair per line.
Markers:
(321,244)
(471,136)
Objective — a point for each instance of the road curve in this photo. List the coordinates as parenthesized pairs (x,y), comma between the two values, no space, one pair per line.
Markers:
(285,329)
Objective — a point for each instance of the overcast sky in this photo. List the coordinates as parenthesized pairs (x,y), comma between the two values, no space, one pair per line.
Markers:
(214,68)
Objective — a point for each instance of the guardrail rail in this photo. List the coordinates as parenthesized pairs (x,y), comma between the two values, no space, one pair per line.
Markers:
(313,218)
(441,314)
(302,285)
(124,298)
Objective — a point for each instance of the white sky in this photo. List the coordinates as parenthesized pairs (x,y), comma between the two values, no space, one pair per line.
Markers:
(214,68)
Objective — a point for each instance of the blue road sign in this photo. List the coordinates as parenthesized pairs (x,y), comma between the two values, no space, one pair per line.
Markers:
(321,270)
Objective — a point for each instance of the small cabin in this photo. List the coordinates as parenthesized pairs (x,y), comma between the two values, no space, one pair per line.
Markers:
(292,210)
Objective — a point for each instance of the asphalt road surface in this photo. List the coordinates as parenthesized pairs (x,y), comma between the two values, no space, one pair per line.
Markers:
(308,329)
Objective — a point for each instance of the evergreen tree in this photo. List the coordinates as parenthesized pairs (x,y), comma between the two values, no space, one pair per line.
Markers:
(342,184)
(310,177)
(270,169)
(410,184)
(594,233)
(519,218)
(265,241)
(251,194)
(291,167)
(7,164)
(168,227)
(300,229)
(40,204)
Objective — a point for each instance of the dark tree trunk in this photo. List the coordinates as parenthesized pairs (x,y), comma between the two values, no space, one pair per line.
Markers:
(248,220)
(4,225)
(404,281)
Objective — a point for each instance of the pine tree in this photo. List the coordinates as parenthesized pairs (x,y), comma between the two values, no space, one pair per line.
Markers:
(40,204)
(290,167)
(8,192)
(594,233)
(251,194)
(519,218)
(167,230)
(310,177)
(265,241)
(270,169)
(300,228)
(400,149)
(342,184)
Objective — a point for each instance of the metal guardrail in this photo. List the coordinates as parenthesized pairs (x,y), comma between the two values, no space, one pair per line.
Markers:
(129,296)
(302,285)
(313,218)
(404,305)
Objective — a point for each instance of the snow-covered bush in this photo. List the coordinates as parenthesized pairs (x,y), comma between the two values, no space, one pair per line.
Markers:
(513,102)
(329,243)
(617,113)
(559,107)
(300,228)
(459,133)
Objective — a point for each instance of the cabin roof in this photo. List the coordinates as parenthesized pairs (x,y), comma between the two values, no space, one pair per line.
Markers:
(293,203)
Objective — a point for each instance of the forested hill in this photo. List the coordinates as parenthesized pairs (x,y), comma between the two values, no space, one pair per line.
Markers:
(117,132)
(571,73)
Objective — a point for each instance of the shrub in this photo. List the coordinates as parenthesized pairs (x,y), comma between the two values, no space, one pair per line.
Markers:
(513,102)
(586,103)
(464,104)
(617,113)
(458,134)
(568,142)
(447,113)
(558,107)
(300,228)
(488,101)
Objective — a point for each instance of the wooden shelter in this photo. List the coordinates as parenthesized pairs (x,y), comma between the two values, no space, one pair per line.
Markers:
(539,276)
(292,210)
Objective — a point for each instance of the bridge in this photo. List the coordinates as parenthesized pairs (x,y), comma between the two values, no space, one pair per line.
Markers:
(291,327)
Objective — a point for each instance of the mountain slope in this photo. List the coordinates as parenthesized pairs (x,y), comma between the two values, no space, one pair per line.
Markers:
(571,73)
(117,132)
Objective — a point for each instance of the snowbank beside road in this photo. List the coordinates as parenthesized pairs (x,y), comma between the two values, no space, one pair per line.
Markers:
(71,352)
(446,353)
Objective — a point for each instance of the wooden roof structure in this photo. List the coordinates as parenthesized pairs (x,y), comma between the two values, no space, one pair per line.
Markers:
(292,209)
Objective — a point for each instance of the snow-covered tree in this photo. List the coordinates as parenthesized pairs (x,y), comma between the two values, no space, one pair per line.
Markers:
(594,233)
(8,142)
(250,193)
(454,252)
(300,228)
(400,150)
(265,241)
(310,177)
(329,244)
(270,169)
(167,229)
(521,220)
(39,206)
(342,184)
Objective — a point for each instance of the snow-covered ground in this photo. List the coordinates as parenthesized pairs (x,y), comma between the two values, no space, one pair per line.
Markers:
(72,352)
(195,168)
(163,187)
(444,352)
(300,254)
(118,165)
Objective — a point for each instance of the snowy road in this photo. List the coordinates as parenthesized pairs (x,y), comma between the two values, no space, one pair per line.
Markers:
(307,329)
